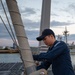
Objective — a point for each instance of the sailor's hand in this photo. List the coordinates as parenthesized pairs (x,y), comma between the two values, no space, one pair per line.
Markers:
(37,63)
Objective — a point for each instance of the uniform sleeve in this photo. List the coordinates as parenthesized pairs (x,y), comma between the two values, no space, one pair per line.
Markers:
(36,57)
(44,65)
(49,56)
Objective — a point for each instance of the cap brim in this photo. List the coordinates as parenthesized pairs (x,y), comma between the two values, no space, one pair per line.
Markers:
(40,38)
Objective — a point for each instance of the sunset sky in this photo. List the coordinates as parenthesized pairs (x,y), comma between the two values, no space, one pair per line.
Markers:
(62,14)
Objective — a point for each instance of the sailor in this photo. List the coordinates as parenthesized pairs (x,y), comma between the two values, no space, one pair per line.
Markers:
(58,55)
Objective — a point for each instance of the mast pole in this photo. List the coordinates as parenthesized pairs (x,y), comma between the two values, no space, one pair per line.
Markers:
(45,20)
(25,51)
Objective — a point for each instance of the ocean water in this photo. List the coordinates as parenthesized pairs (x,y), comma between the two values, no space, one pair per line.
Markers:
(12,58)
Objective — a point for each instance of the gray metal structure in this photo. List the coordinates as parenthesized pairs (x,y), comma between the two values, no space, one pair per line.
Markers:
(45,20)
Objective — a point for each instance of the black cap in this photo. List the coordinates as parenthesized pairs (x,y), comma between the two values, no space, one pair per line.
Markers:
(45,33)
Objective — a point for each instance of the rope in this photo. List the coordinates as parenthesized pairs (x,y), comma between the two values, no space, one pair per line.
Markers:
(13,36)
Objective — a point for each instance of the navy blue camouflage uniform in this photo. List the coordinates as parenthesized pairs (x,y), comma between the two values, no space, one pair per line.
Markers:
(59,56)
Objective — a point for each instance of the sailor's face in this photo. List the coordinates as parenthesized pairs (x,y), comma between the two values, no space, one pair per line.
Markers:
(48,40)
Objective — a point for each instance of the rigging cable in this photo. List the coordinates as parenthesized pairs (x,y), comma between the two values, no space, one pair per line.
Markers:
(19,49)
(7,28)
(13,36)
(14,40)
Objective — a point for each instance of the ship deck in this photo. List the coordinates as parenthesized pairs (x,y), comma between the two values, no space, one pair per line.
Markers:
(15,69)
(11,68)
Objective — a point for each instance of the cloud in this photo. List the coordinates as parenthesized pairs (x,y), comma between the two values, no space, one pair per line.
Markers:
(32,34)
(28,11)
(5,6)
(33,43)
(5,42)
(55,15)
(70,8)
(71,37)
(30,25)
(1,8)
(58,23)
(55,2)
(3,32)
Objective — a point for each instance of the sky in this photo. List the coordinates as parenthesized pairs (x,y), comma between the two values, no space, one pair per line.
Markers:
(62,14)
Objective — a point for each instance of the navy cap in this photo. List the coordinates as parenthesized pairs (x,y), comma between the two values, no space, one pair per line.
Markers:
(45,33)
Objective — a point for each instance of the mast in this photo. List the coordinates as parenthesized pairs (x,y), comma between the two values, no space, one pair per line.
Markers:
(45,20)
(25,51)
(65,33)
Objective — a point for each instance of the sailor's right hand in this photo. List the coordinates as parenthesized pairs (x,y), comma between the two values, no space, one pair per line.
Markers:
(37,63)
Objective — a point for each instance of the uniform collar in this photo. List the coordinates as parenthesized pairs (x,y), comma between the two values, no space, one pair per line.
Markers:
(53,45)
